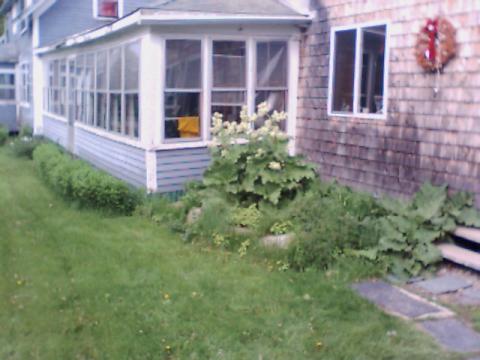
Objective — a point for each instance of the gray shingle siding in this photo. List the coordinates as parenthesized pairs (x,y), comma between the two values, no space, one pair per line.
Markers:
(55,130)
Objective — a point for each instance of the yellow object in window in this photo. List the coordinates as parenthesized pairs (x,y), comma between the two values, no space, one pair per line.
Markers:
(189,126)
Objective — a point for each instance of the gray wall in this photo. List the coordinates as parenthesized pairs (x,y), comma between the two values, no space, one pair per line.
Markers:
(8,117)
(123,161)
(67,17)
(176,167)
(55,130)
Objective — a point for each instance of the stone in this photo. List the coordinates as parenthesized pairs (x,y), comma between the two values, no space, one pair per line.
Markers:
(470,297)
(453,335)
(444,284)
(280,241)
(194,215)
(398,302)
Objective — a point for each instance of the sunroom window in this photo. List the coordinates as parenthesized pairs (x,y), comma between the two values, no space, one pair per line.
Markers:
(107,8)
(358,71)
(272,75)
(7,85)
(56,96)
(183,89)
(229,78)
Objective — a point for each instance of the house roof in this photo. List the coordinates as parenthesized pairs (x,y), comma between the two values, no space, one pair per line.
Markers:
(257,7)
(157,16)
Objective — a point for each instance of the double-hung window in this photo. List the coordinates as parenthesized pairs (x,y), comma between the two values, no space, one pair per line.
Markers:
(272,75)
(7,85)
(229,91)
(358,71)
(183,89)
(56,92)
(106,8)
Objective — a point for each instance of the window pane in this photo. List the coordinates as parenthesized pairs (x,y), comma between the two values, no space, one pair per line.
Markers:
(182,115)
(7,94)
(102,110)
(272,64)
(229,64)
(373,60)
(89,72)
(230,113)
(184,69)
(276,100)
(115,112)
(115,66)
(107,8)
(131,115)
(132,64)
(102,70)
(344,69)
(7,79)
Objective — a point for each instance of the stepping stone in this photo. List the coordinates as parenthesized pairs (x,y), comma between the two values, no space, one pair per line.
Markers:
(444,284)
(398,301)
(453,335)
(469,296)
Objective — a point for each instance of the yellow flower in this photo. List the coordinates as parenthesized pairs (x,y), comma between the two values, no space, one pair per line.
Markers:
(274,165)
(318,345)
(166,296)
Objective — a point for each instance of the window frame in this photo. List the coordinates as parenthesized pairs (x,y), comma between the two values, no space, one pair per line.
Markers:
(99,17)
(358,71)
(167,90)
(25,90)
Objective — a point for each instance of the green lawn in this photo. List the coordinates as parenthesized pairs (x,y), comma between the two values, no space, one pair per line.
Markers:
(76,284)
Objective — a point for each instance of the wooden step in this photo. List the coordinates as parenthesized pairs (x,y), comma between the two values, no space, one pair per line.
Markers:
(468,233)
(461,256)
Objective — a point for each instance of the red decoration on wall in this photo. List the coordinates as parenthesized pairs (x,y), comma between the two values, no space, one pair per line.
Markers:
(435,44)
(108,8)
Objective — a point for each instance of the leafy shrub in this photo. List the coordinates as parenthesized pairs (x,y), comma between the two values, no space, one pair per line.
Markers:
(78,181)
(254,166)
(281,228)
(409,229)
(24,146)
(247,217)
(26,131)
(3,135)
(331,220)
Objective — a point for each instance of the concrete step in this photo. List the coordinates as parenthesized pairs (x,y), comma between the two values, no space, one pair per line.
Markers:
(468,233)
(461,256)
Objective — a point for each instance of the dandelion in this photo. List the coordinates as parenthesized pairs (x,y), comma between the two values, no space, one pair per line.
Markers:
(318,345)
(274,165)
(166,296)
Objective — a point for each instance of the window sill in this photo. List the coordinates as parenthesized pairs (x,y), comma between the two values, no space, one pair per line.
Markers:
(25,104)
(110,136)
(359,116)
(55,117)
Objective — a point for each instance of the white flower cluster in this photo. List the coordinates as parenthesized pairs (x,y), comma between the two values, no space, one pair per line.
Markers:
(274,165)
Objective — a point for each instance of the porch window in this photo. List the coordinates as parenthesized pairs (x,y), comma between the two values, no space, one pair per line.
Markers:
(56,92)
(101,90)
(131,71)
(358,70)
(7,85)
(183,89)
(107,8)
(229,90)
(272,75)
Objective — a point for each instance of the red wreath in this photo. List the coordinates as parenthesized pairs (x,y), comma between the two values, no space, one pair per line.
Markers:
(435,44)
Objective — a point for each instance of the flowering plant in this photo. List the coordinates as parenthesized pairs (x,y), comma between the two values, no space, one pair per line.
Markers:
(253,164)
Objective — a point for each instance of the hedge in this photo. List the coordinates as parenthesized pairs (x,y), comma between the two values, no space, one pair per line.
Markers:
(78,181)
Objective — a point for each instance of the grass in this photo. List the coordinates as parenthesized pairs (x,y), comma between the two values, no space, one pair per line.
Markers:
(76,284)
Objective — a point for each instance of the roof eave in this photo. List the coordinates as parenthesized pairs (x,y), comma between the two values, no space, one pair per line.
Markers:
(142,17)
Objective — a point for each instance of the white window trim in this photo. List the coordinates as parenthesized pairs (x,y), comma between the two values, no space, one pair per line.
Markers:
(120,11)
(357,71)
(23,88)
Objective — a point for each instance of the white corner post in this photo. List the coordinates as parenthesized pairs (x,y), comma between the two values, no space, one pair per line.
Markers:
(148,107)
(37,80)
(293,78)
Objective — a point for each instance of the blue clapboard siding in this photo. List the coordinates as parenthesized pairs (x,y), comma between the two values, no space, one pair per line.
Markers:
(55,130)
(8,117)
(176,167)
(67,17)
(25,116)
(120,160)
